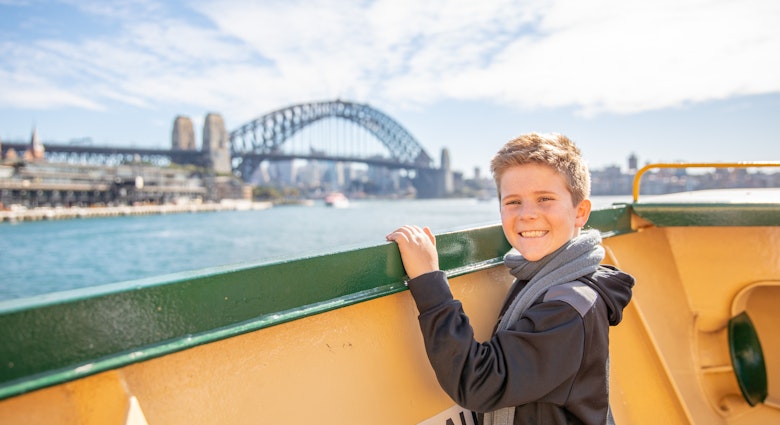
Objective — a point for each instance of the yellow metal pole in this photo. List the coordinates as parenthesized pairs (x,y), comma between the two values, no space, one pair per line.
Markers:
(647,167)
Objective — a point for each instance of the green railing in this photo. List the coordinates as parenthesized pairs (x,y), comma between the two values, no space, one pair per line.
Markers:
(54,338)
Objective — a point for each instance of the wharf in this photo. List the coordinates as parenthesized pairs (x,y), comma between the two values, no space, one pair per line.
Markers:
(58,213)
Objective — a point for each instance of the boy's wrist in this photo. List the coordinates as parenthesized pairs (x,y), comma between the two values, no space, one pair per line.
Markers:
(430,289)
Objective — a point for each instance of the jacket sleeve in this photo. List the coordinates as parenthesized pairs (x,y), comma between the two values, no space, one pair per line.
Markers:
(534,360)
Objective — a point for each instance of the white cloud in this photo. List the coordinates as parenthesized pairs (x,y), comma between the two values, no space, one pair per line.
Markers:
(627,57)
(244,58)
(28,91)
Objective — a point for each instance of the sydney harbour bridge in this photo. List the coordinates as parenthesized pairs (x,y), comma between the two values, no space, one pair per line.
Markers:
(336,131)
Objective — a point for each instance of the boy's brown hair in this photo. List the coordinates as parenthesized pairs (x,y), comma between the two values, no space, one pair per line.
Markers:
(551,149)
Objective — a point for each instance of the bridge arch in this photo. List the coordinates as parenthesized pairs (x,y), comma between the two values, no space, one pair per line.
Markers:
(265,135)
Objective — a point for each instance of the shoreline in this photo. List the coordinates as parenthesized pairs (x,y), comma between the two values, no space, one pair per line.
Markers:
(60,213)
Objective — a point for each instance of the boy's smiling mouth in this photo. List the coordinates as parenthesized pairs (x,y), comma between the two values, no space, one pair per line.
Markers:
(533,233)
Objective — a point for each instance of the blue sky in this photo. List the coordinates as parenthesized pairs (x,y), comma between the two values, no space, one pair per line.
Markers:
(667,80)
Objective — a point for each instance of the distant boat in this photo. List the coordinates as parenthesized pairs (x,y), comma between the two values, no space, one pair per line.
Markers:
(337,200)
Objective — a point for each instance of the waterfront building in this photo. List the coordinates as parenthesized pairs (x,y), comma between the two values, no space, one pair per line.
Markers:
(40,183)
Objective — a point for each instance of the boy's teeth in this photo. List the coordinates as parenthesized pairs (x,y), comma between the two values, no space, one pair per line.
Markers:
(532,234)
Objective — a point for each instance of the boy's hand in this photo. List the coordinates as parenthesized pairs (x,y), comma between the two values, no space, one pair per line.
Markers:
(418,249)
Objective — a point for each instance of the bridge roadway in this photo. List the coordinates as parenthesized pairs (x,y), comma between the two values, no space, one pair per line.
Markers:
(121,154)
(195,157)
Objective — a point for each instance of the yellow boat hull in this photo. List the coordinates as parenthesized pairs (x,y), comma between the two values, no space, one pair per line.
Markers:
(361,364)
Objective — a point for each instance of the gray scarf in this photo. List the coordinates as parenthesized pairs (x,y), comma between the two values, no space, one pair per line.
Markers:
(579,257)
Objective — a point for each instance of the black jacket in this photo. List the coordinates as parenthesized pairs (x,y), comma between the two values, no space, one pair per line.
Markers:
(552,364)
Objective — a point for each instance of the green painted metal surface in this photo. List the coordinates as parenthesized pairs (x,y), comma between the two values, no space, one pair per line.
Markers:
(611,221)
(724,214)
(747,359)
(59,337)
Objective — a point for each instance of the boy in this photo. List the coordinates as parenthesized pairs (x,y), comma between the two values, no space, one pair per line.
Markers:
(548,359)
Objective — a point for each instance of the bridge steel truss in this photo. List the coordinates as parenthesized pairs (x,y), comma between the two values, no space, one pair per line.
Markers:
(263,137)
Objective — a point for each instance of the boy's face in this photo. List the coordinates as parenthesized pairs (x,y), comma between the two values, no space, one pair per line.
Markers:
(537,214)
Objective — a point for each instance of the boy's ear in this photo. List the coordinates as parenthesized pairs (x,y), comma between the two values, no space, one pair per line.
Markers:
(583,213)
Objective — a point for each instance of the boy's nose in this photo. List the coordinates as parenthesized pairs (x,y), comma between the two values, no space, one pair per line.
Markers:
(528,211)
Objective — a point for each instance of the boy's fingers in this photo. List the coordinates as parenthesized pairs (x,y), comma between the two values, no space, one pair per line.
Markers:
(393,237)
(398,234)
(428,232)
(404,233)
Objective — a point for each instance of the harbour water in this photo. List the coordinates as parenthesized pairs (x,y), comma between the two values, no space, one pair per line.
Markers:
(49,256)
